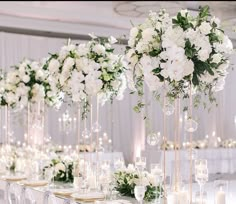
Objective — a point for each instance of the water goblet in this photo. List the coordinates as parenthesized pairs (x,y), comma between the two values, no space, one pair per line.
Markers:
(140,163)
(139,192)
(201,176)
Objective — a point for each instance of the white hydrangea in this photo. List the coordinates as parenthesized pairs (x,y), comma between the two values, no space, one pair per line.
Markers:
(205,28)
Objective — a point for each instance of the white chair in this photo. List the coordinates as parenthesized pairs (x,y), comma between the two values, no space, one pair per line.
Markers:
(2,197)
(68,201)
(14,194)
(49,198)
(29,197)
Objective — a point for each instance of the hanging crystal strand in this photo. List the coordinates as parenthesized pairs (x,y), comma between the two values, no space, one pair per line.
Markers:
(1,125)
(164,142)
(97,142)
(91,124)
(83,141)
(28,124)
(178,141)
(6,125)
(175,147)
(190,140)
(43,126)
(112,126)
(78,138)
(78,128)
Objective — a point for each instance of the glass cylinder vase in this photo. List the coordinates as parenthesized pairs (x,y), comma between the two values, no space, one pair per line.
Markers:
(35,123)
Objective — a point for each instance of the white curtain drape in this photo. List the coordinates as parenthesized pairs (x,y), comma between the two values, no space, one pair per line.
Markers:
(128,132)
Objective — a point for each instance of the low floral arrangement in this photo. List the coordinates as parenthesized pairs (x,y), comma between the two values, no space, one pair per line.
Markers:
(89,69)
(179,54)
(63,170)
(28,82)
(127,178)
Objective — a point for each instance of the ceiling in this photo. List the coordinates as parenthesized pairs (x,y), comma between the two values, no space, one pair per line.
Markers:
(101,17)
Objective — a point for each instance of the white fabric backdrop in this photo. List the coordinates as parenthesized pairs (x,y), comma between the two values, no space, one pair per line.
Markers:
(128,132)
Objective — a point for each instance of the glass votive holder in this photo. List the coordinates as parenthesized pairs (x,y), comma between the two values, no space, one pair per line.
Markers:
(221,191)
(199,199)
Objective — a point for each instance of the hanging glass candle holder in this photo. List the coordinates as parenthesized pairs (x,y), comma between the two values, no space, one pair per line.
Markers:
(191,125)
(86,134)
(96,127)
(168,109)
(153,139)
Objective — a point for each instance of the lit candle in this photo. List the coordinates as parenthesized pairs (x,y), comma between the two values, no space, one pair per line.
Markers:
(220,197)
(183,197)
(213,133)
(59,120)
(92,181)
(235,120)
(74,124)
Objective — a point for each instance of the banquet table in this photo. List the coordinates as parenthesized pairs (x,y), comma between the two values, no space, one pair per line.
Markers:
(102,156)
(220,160)
(39,193)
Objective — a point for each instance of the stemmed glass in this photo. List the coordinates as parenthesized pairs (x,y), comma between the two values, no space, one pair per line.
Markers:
(118,164)
(139,192)
(157,172)
(201,174)
(140,163)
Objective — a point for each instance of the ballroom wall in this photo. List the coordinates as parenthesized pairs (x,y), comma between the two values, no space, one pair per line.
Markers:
(128,129)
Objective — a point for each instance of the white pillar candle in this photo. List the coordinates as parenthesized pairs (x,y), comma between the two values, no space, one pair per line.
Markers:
(220,197)
(92,181)
(183,197)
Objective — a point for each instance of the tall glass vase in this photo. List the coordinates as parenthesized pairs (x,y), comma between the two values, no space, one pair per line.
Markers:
(35,123)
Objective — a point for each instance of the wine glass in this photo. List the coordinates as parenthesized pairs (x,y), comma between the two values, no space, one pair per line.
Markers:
(157,172)
(118,164)
(201,176)
(139,192)
(140,163)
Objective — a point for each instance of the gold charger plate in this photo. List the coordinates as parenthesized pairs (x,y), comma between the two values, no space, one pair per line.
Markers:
(14,178)
(63,192)
(34,183)
(88,197)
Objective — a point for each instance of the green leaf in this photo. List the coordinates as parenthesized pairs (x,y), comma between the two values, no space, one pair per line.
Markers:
(195,80)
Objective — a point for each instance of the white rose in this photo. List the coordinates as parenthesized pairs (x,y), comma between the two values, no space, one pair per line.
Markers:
(203,55)
(99,49)
(184,12)
(216,21)
(205,28)
(115,84)
(133,32)
(68,63)
(35,66)
(26,78)
(83,49)
(142,46)
(39,74)
(132,57)
(60,167)
(148,34)
(130,168)
(112,40)
(53,65)
(216,58)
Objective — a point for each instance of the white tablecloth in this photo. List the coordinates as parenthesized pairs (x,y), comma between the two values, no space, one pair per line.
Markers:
(220,160)
(102,156)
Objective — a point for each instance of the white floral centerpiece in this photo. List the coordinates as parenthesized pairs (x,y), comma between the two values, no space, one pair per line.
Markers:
(63,169)
(89,69)
(30,83)
(127,178)
(179,52)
